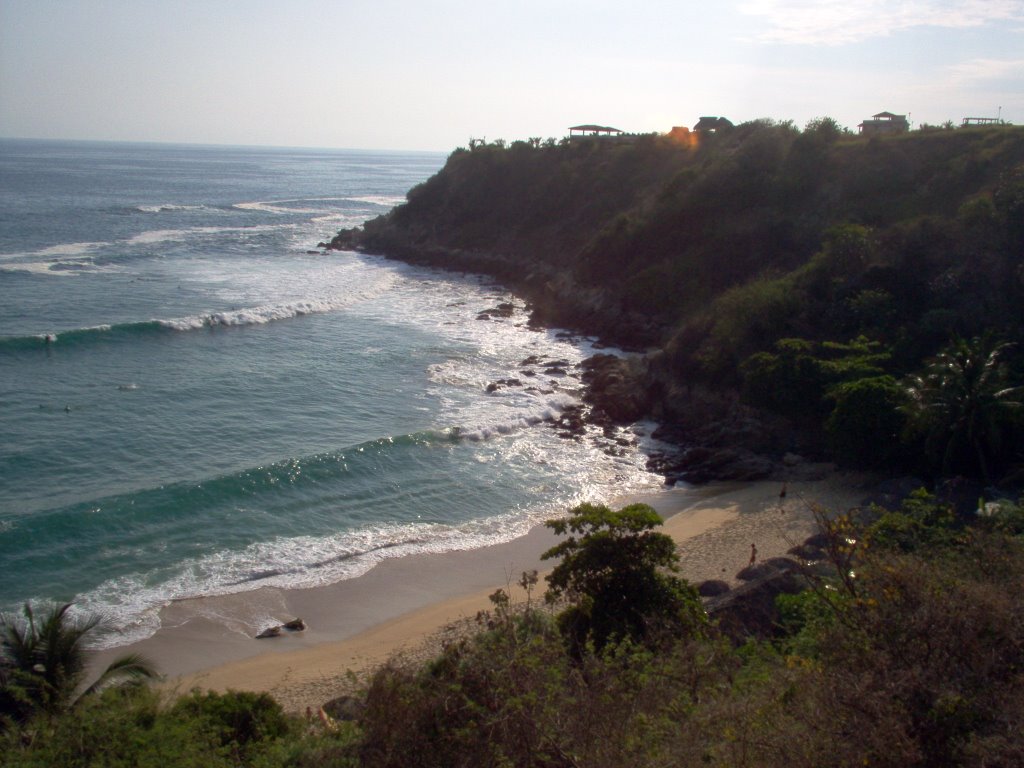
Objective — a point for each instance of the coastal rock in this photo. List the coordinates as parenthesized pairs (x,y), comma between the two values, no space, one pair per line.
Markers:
(713,588)
(345,240)
(614,388)
(819,540)
(701,464)
(344,708)
(792,459)
(274,631)
(295,625)
(768,568)
(810,471)
(749,609)
(807,552)
(889,494)
(503,310)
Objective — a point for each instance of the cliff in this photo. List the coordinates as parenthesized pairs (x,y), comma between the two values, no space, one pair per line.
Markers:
(711,252)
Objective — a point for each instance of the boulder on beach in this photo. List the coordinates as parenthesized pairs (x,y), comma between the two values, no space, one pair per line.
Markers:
(807,552)
(750,610)
(768,568)
(295,625)
(712,588)
(274,631)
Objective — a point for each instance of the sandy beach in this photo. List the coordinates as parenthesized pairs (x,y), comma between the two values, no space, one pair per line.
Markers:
(404,605)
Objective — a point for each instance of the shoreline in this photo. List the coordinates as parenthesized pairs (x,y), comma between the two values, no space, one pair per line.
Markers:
(403,606)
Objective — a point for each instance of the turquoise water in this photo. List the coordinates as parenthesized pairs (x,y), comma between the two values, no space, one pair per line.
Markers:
(192,403)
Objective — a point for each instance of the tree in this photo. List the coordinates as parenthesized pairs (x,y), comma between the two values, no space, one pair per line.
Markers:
(865,426)
(43,663)
(962,404)
(619,575)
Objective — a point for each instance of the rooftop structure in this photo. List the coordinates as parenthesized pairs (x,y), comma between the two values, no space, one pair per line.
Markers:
(968,121)
(884,123)
(579,131)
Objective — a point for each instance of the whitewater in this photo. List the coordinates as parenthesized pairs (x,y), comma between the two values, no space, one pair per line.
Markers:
(196,400)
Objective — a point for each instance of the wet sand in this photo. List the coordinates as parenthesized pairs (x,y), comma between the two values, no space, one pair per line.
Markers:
(402,606)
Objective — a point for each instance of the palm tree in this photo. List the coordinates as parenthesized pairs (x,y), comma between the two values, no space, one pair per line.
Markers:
(43,662)
(962,402)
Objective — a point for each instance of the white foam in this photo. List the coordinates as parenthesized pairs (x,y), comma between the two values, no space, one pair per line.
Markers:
(132,605)
(159,236)
(169,235)
(36,267)
(386,200)
(59,267)
(54,252)
(69,249)
(169,207)
(250,315)
(517,419)
(278,206)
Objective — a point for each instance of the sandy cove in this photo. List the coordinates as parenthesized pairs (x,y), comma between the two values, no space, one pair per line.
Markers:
(404,605)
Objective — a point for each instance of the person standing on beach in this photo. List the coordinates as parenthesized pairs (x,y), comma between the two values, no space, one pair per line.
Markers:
(753,554)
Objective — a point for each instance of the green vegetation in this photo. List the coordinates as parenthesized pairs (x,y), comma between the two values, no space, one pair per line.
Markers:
(43,665)
(864,294)
(904,651)
(618,576)
(963,404)
(747,255)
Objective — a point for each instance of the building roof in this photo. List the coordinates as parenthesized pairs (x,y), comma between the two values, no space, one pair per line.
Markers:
(601,128)
(888,115)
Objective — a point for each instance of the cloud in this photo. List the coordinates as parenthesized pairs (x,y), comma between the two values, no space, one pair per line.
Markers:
(836,22)
(979,71)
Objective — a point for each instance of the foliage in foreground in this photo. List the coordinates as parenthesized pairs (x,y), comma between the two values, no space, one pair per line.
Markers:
(911,653)
(619,575)
(136,727)
(43,664)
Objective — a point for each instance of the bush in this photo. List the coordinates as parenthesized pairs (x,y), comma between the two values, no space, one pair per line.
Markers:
(618,574)
(239,719)
(865,427)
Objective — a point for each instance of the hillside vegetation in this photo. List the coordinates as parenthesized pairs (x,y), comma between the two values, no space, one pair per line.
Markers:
(899,646)
(812,272)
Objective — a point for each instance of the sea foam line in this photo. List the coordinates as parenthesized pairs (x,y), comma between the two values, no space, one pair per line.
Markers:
(251,315)
(160,208)
(229,318)
(277,206)
(169,235)
(130,604)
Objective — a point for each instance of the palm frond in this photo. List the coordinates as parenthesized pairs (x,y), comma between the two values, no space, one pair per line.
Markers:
(130,669)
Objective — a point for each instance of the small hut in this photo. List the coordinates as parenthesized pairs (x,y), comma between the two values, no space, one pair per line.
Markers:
(884,123)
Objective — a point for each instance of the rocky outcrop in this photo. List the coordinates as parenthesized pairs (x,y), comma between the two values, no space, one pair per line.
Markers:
(293,625)
(749,609)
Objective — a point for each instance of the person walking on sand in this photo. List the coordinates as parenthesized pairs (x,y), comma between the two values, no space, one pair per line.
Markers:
(753,554)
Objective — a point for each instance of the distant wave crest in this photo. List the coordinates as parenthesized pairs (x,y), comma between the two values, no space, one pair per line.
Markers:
(162,207)
(226,318)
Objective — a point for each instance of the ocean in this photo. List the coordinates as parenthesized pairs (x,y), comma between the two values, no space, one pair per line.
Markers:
(196,401)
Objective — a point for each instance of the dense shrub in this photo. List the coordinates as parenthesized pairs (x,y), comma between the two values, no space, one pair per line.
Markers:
(866,425)
(618,575)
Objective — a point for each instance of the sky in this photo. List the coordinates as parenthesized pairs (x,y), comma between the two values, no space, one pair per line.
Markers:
(432,74)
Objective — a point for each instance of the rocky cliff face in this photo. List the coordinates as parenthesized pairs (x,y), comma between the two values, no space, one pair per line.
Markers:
(700,258)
